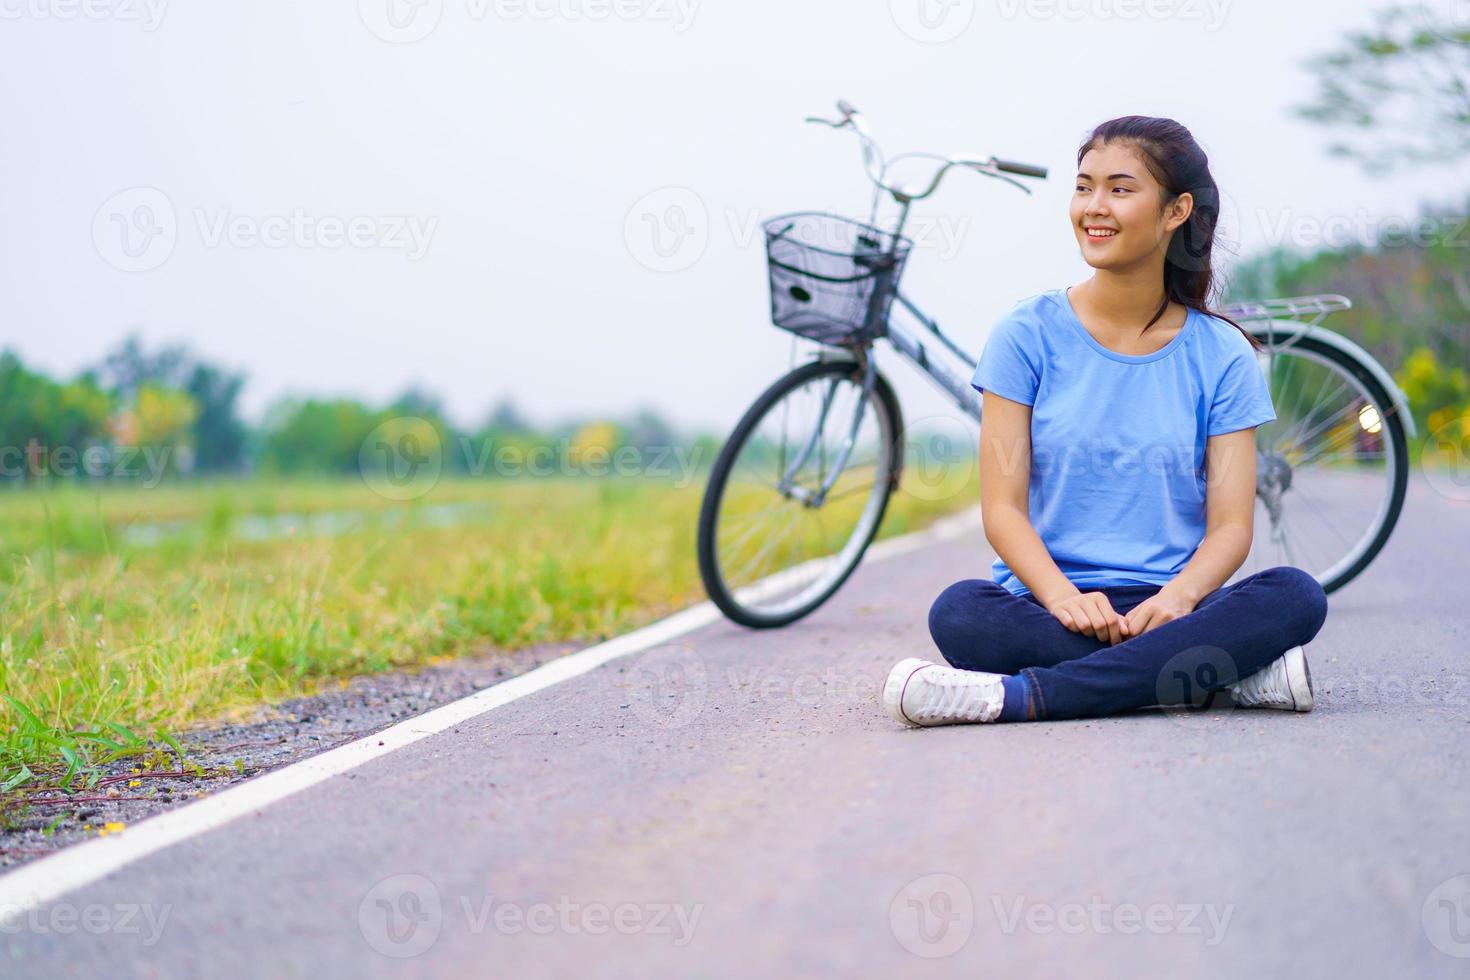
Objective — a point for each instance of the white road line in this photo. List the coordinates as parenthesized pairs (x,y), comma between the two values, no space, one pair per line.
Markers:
(48,878)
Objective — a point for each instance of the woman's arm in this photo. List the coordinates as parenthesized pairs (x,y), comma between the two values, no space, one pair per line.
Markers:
(1005,470)
(1230,507)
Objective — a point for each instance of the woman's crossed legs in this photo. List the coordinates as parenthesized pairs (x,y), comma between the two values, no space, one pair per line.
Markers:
(1231,633)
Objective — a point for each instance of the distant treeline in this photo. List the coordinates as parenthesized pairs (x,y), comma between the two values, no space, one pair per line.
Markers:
(1410,288)
(170,413)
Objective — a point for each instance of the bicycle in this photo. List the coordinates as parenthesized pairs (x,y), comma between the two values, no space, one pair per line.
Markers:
(827,479)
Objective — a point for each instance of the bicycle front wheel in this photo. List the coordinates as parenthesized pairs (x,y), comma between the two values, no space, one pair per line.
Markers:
(797,493)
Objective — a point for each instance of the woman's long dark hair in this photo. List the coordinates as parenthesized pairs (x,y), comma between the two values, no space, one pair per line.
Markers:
(1179,164)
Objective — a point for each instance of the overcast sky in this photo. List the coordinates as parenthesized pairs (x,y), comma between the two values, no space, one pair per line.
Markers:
(349,197)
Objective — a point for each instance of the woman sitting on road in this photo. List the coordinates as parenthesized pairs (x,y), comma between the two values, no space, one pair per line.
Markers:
(1118,478)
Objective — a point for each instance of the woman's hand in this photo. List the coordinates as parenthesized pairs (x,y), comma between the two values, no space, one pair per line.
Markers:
(1091,613)
(1162,607)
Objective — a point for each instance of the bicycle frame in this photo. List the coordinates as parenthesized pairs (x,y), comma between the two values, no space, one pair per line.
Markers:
(787,484)
(1286,320)
(1287,326)
(912,347)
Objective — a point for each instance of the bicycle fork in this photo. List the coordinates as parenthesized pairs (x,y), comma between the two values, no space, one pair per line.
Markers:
(788,486)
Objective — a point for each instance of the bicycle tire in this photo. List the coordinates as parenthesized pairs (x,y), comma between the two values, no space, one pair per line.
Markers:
(1394,426)
(884,401)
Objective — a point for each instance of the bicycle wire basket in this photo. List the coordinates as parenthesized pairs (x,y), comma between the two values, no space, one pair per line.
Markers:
(832,279)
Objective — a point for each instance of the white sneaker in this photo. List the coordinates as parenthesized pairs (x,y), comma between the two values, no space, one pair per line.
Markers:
(921,693)
(1284,683)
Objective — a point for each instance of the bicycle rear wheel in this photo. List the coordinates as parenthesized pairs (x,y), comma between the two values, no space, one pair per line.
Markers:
(773,543)
(1332,470)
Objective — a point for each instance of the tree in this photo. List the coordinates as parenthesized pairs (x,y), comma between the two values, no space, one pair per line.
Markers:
(1404,86)
(39,416)
(415,400)
(315,436)
(505,417)
(127,367)
(162,418)
(217,434)
(649,430)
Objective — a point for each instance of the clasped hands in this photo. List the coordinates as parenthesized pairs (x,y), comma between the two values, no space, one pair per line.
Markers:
(1091,613)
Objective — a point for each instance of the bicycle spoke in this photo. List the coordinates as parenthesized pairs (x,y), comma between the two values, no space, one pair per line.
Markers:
(1299,437)
(761,534)
(1318,509)
(1330,420)
(1336,444)
(740,577)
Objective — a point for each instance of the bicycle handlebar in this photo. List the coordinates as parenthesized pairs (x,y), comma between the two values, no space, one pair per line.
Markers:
(1024,169)
(872,153)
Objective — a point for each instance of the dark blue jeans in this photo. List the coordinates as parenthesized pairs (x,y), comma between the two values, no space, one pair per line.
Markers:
(1231,633)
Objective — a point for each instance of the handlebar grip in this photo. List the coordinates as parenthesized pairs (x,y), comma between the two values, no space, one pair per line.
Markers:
(845,107)
(1024,169)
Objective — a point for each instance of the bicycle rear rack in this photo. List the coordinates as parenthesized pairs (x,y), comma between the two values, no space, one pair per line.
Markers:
(1289,308)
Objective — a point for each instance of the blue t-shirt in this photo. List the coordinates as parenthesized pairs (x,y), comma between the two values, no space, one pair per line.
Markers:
(1117,482)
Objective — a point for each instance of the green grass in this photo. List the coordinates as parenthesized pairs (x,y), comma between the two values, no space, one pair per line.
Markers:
(108,646)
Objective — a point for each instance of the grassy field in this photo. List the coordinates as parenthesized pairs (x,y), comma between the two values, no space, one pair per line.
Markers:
(128,614)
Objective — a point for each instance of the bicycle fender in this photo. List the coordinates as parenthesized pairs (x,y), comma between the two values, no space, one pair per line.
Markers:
(1295,328)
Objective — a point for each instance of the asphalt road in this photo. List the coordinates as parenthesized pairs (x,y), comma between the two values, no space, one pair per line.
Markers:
(736,803)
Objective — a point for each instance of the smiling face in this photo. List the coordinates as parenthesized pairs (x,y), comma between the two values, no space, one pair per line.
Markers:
(1117,209)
